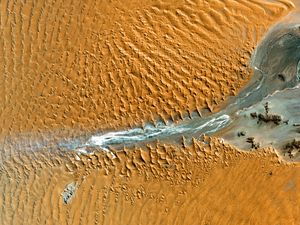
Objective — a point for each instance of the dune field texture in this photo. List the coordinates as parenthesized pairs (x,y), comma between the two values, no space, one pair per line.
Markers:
(76,74)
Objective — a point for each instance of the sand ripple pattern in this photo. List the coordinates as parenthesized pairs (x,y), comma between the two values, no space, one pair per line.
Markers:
(106,64)
(164,184)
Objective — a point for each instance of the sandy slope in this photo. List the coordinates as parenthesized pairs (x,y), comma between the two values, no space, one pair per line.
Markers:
(107,64)
(212,184)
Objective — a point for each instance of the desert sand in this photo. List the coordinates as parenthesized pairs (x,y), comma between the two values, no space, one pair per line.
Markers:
(163,184)
(108,65)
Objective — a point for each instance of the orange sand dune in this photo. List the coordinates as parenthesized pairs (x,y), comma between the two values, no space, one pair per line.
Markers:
(111,64)
(213,184)
(106,64)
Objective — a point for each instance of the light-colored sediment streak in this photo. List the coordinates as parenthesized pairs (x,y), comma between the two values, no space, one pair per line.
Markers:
(81,64)
(278,58)
(276,68)
(69,192)
(160,131)
(67,66)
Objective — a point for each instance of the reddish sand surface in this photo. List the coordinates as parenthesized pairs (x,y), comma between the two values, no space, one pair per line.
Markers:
(163,184)
(96,65)
(111,64)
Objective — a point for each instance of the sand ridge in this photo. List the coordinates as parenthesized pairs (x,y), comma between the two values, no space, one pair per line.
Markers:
(98,65)
(81,65)
(164,184)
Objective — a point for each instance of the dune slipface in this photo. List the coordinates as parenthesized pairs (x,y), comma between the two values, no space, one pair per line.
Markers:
(135,112)
(102,65)
(275,81)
